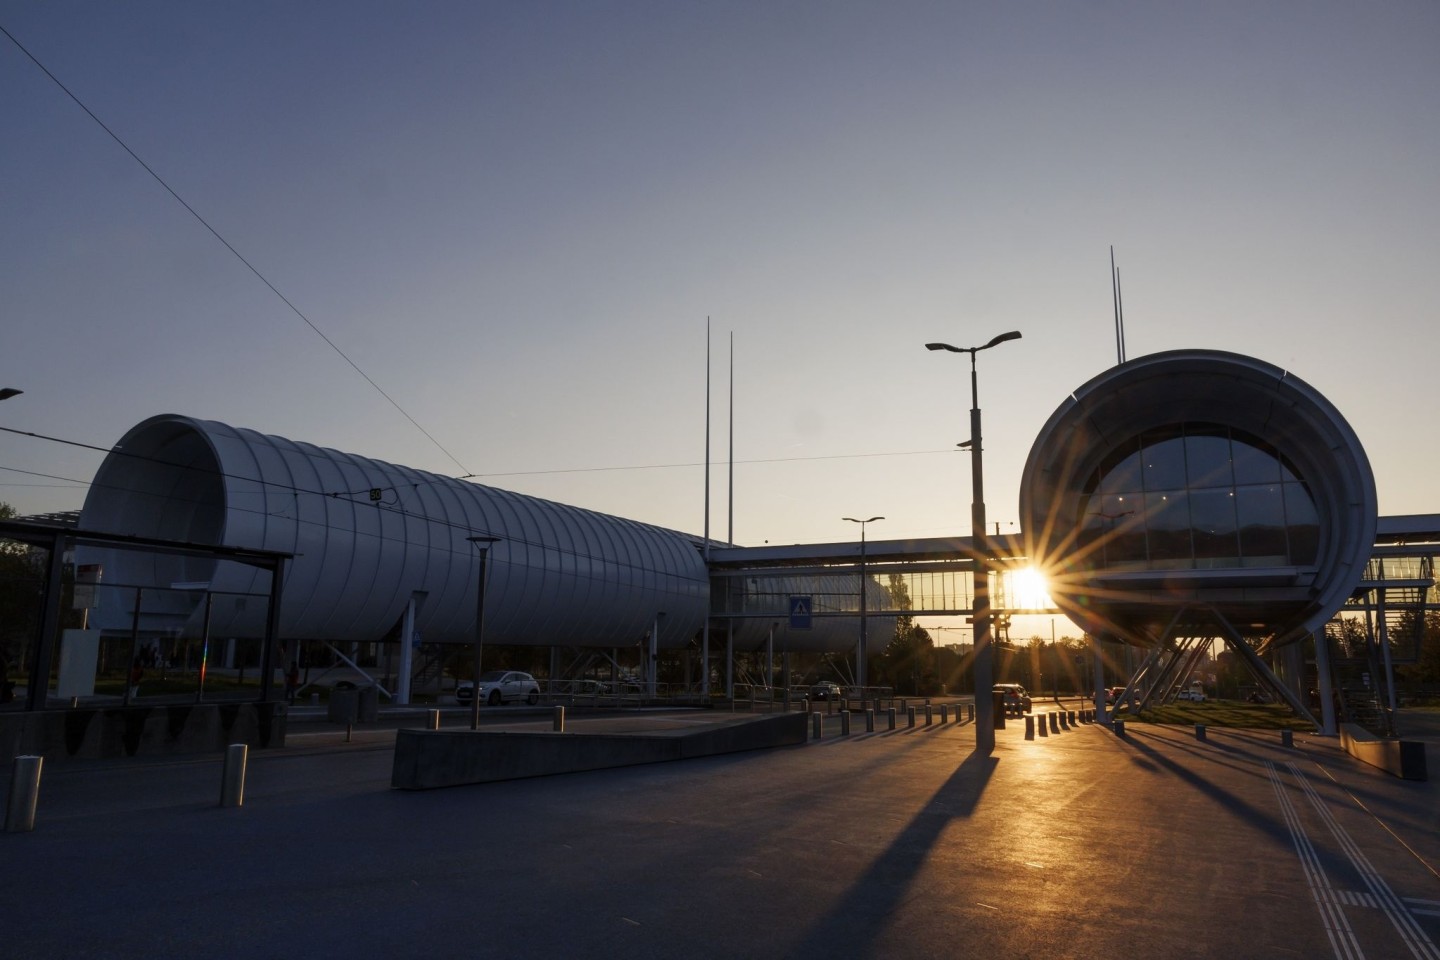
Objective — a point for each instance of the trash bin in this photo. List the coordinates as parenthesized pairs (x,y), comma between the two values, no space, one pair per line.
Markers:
(369,705)
(344,705)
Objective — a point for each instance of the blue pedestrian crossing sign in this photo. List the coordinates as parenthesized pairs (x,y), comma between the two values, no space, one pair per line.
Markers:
(800,608)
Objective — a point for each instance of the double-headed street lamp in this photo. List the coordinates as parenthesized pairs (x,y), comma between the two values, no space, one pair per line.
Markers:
(483,543)
(983,660)
(860,650)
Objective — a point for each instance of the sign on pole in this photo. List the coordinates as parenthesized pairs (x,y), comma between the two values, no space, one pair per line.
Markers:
(800,612)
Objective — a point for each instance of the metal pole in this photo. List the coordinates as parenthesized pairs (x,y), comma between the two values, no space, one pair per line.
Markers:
(770,662)
(983,660)
(134,644)
(860,651)
(407,635)
(483,543)
(1322,674)
(653,668)
(204,647)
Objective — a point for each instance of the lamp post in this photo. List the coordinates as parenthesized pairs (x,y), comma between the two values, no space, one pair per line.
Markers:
(7,392)
(483,543)
(984,655)
(860,650)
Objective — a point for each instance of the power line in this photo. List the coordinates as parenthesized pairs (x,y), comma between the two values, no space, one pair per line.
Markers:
(670,466)
(216,234)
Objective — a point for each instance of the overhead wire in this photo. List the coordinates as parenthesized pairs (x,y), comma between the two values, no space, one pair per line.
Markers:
(226,243)
(355,497)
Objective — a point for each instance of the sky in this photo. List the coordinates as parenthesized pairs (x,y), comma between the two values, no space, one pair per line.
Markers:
(516,218)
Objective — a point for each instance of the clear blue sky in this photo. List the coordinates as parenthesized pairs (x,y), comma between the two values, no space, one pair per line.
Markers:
(515,217)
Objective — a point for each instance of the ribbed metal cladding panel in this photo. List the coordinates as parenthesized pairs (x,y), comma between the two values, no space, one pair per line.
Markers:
(559,575)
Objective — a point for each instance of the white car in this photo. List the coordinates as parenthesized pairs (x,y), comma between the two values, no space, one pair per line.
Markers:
(500,686)
(1198,696)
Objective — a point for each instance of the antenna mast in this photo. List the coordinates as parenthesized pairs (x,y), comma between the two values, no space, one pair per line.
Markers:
(1119,303)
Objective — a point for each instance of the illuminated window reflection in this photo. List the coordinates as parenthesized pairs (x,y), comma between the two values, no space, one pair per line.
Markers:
(1197,496)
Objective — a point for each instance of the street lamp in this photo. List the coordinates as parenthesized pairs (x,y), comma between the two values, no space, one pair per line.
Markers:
(7,392)
(483,543)
(860,651)
(984,656)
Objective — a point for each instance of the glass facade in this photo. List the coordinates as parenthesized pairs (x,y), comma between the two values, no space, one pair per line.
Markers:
(1197,496)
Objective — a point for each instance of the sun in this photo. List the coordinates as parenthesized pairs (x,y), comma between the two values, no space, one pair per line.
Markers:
(1029,590)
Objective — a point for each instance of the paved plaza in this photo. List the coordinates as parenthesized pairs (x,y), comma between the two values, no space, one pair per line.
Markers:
(886,844)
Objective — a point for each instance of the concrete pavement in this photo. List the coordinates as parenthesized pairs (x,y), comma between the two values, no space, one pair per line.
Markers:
(892,844)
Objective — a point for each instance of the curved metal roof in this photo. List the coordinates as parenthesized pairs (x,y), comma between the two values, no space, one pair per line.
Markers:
(366,535)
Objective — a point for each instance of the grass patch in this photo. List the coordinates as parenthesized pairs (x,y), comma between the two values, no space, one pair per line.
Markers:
(1221,713)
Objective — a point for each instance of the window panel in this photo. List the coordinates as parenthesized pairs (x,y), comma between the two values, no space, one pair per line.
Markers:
(1124,477)
(1260,511)
(1167,517)
(1207,462)
(1302,522)
(1164,464)
(1253,464)
(1212,520)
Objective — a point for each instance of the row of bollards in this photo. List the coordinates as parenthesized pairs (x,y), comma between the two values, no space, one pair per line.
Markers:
(912,717)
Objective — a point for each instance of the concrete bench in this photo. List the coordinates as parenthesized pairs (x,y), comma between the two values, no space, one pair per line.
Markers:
(425,759)
(1403,758)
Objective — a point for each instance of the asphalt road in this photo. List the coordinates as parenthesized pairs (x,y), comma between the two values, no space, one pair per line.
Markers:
(886,845)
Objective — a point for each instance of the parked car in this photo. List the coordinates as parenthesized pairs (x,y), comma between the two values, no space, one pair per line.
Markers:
(1193,695)
(825,690)
(500,686)
(1015,696)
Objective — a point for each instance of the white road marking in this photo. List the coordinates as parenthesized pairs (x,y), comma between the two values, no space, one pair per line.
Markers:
(1332,918)
(1410,931)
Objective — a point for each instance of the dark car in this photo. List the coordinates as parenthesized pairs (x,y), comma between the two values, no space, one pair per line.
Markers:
(825,690)
(1015,696)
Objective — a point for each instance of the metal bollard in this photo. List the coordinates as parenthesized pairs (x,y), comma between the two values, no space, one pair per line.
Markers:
(1071,714)
(892,718)
(432,720)
(817,726)
(844,723)
(870,720)
(1054,722)
(910,715)
(928,718)
(232,779)
(1065,720)
(1199,731)
(970,711)
(1029,728)
(1043,725)
(1119,728)
(559,720)
(1287,738)
(24,794)
(944,714)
